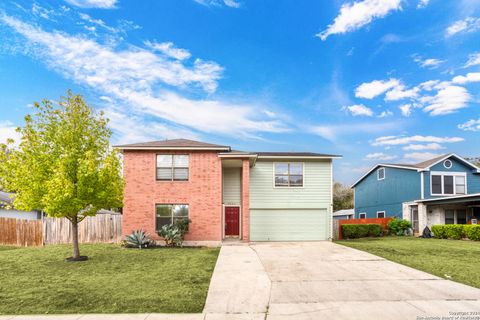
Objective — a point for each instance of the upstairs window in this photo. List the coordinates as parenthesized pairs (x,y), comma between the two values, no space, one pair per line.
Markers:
(381,174)
(172,167)
(288,174)
(448,184)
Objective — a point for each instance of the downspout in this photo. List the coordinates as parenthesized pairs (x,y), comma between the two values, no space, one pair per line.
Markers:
(422,185)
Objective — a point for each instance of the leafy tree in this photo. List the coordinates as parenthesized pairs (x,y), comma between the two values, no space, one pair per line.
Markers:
(342,197)
(63,163)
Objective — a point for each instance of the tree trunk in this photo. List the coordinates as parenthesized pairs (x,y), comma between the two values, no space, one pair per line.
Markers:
(76,249)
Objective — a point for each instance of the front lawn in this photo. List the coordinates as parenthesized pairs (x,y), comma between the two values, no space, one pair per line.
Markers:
(444,258)
(113,280)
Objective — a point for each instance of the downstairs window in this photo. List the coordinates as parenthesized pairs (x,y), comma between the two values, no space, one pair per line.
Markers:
(169,213)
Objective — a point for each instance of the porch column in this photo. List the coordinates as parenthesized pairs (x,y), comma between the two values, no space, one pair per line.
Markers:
(245,199)
(422,217)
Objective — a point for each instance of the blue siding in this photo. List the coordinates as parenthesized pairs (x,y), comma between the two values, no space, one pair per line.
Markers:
(473,180)
(399,185)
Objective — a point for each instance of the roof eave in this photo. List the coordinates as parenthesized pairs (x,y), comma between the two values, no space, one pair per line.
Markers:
(298,157)
(173,148)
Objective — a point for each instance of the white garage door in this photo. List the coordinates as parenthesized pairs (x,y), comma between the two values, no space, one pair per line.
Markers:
(288,225)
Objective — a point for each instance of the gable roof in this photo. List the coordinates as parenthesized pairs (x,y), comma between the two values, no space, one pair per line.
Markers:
(421,166)
(173,144)
(294,155)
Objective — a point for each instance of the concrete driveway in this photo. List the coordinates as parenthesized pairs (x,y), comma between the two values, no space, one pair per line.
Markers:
(323,280)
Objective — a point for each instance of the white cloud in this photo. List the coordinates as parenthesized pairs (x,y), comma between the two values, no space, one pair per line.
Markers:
(379,156)
(133,128)
(418,147)
(168,48)
(406,110)
(370,90)
(102,4)
(447,100)
(355,15)
(473,60)
(422,4)
(216,3)
(8,131)
(403,140)
(334,132)
(142,81)
(429,85)
(470,125)
(470,24)
(430,63)
(359,110)
(385,114)
(400,92)
(420,156)
(470,77)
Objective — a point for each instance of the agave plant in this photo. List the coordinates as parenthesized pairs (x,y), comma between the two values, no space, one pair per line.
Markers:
(138,239)
(172,235)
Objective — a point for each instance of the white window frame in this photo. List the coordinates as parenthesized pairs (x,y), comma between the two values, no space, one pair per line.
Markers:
(378,174)
(451,164)
(289,186)
(172,167)
(447,173)
(384,213)
(360,215)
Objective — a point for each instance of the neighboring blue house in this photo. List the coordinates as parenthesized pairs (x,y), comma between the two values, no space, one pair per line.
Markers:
(442,190)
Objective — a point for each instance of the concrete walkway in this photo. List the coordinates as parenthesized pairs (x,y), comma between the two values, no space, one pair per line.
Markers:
(316,280)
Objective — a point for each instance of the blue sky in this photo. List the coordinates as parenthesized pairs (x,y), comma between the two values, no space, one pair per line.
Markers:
(374,80)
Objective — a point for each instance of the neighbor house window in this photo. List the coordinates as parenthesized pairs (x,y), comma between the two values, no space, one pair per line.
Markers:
(172,167)
(381,214)
(362,215)
(381,174)
(462,216)
(447,164)
(448,184)
(288,174)
(169,213)
(449,216)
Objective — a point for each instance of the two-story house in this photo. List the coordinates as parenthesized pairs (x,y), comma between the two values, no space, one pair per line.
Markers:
(443,190)
(250,196)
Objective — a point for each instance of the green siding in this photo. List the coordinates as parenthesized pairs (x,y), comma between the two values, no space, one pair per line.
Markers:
(289,225)
(291,213)
(315,193)
(232,186)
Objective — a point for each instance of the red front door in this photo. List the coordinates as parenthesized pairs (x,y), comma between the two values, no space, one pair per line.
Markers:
(232,221)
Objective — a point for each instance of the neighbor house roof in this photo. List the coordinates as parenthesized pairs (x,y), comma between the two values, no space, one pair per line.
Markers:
(344,212)
(173,144)
(421,166)
(6,197)
(452,199)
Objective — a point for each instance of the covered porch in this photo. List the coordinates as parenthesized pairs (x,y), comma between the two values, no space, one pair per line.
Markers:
(464,209)
(235,194)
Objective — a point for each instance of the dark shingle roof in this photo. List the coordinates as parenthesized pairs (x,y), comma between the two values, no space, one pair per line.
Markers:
(173,143)
(294,154)
(420,165)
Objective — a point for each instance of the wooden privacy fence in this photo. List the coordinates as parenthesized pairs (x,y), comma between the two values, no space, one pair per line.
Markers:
(103,228)
(338,226)
(19,232)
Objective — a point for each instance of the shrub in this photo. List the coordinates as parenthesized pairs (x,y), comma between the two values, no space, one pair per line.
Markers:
(174,234)
(449,231)
(138,239)
(354,231)
(375,230)
(439,232)
(454,231)
(398,226)
(472,232)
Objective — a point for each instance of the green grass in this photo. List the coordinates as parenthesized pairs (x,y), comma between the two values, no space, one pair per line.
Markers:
(455,258)
(113,280)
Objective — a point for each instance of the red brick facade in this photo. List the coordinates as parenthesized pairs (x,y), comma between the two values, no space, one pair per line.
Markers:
(202,192)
